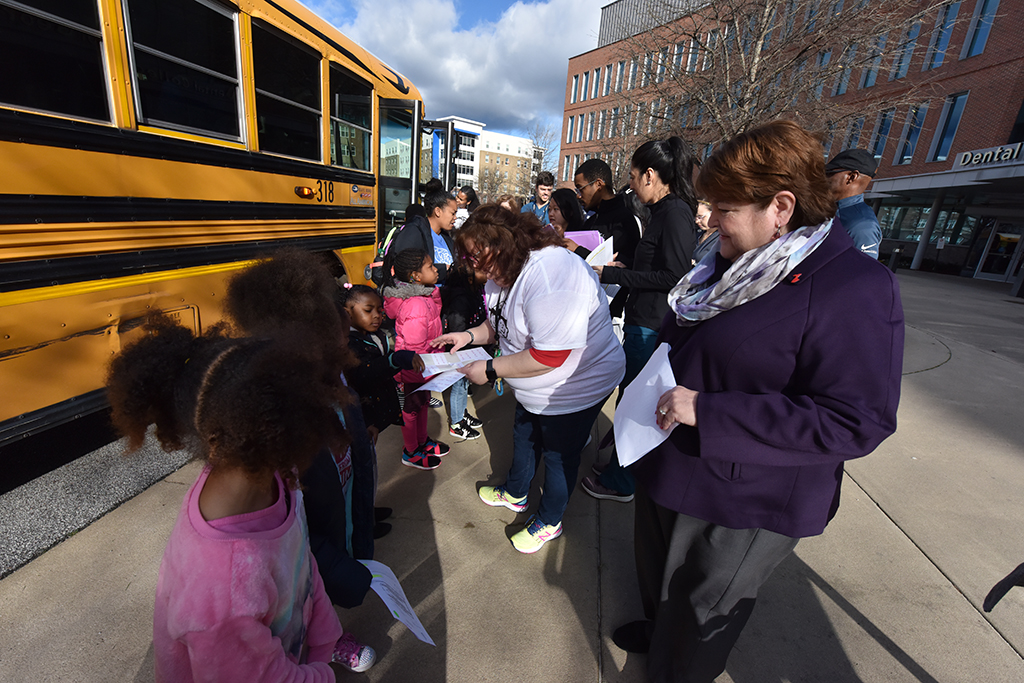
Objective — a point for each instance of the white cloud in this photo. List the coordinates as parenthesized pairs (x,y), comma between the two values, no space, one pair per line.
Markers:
(507,74)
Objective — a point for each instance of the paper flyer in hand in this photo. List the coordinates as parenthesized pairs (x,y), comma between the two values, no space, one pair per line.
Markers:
(385,584)
(441,382)
(442,362)
(604,254)
(636,418)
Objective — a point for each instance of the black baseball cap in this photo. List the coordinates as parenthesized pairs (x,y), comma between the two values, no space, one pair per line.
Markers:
(859,160)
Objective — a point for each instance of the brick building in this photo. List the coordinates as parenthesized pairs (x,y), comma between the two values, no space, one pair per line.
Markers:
(944,115)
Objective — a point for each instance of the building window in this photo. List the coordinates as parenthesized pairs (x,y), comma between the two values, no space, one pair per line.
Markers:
(620,71)
(911,132)
(569,128)
(853,134)
(575,87)
(648,66)
(607,80)
(565,169)
(677,58)
(585,89)
(614,129)
(849,55)
(709,50)
(632,74)
(881,134)
(822,63)
(811,15)
(693,57)
(940,36)
(981,25)
(949,121)
(600,124)
(640,108)
(662,64)
(590,127)
(579,128)
(597,83)
(904,52)
(870,73)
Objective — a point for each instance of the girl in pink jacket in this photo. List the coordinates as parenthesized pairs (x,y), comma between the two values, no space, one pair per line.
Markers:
(238,597)
(413,301)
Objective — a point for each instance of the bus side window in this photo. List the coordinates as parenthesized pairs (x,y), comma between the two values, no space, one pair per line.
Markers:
(287,76)
(53,60)
(184,60)
(351,121)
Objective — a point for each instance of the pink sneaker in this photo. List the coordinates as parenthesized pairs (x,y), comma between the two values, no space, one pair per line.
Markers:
(353,655)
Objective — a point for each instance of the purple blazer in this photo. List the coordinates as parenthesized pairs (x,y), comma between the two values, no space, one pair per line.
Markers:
(791,384)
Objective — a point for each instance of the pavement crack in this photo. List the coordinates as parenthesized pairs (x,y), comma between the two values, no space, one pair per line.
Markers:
(949,353)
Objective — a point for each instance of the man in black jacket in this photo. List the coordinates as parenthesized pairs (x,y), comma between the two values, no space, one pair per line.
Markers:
(612,218)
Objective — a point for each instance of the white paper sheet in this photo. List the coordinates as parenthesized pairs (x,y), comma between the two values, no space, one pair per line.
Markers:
(385,584)
(636,417)
(442,362)
(603,254)
(441,382)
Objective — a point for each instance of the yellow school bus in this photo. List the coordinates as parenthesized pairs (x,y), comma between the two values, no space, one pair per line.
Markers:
(151,148)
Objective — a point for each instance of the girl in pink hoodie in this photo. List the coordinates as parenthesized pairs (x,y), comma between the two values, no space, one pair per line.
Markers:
(239,597)
(413,301)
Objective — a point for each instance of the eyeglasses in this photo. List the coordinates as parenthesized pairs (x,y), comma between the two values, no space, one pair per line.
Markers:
(579,190)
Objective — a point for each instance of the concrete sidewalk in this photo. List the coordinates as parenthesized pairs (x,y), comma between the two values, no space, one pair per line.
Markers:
(890,592)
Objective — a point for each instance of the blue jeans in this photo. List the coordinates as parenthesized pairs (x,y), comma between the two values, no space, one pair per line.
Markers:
(457,400)
(558,440)
(638,345)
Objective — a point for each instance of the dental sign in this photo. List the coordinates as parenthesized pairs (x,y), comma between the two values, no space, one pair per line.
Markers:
(993,156)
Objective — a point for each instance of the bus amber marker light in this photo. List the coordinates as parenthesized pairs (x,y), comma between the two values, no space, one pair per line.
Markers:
(304,192)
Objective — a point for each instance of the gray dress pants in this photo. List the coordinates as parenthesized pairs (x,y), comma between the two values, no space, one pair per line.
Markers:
(698,584)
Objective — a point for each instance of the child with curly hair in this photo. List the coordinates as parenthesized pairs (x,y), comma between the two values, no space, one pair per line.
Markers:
(413,301)
(239,597)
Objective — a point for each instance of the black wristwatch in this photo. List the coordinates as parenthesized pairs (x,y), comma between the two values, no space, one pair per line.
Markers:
(492,376)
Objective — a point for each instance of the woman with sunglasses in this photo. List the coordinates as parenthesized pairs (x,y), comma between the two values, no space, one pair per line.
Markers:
(549,317)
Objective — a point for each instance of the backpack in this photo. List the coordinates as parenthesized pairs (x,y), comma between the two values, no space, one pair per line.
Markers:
(375,271)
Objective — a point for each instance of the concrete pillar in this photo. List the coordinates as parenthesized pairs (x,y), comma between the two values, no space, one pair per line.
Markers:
(876,205)
(926,236)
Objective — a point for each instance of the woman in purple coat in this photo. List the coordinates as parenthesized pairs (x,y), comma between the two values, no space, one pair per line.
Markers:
(787,349)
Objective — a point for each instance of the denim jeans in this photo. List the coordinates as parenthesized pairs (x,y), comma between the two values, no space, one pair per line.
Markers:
(459,394)
(638,345)
(558,441)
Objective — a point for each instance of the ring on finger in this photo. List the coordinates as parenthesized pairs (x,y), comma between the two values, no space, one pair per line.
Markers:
(662,411)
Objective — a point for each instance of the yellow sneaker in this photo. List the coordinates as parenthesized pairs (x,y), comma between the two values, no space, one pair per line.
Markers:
(534,535)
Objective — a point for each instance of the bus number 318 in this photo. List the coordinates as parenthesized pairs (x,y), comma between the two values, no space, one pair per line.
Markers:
(325,191)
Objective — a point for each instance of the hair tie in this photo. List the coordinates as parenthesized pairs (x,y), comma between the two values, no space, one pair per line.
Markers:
(347,285)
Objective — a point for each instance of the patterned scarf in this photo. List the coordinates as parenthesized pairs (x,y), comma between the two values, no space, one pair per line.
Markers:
(751,275)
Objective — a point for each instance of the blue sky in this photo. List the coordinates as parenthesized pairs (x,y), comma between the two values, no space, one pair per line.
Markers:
(498,62)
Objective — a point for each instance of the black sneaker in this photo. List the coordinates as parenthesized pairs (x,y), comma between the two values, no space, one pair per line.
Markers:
(381,529)
(463,431)
(436,402)
(420,460)
(472,421)
(382,513)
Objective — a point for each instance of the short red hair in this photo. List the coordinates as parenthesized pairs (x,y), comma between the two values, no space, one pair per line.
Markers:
(756,165)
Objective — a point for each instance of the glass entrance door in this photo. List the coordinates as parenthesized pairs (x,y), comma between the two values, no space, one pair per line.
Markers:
(1002,258)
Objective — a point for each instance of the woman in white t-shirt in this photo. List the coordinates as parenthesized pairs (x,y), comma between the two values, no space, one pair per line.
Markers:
(546,311)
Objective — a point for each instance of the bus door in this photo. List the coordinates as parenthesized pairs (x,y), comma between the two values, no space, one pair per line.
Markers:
(399,156)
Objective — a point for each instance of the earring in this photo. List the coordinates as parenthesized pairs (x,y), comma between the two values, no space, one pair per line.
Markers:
(778,232)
